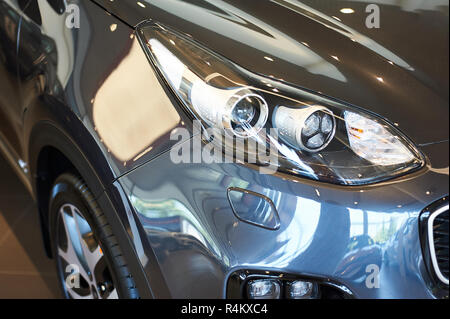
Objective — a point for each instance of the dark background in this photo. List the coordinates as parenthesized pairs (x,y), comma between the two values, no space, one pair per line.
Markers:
(25,271)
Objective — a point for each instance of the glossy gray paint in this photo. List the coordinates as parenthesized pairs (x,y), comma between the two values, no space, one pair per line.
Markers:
(74,79)
(341,59)
(198,241)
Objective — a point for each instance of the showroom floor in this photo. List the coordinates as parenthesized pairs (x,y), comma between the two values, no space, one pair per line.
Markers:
(25,271)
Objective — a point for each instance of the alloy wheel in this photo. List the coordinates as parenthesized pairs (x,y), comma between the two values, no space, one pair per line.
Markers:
(81,261)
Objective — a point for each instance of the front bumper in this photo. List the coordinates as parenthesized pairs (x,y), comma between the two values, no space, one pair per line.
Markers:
(326,231)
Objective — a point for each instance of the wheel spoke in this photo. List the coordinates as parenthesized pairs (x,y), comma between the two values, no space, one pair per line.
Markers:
(93,258)
(90,258)
(83,253)
(113,294)
(72,261)
(71,256)
(74,295)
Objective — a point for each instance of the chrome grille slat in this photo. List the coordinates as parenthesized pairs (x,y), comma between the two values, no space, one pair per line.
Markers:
(438,231)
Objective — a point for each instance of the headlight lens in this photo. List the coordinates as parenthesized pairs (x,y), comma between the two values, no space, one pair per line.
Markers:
(314,136)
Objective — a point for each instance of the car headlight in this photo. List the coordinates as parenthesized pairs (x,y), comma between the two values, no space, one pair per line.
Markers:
(315,137)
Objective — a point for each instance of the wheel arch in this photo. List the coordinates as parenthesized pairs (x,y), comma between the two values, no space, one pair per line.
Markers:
(52,152)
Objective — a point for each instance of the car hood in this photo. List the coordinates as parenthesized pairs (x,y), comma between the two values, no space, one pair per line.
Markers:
(399,71)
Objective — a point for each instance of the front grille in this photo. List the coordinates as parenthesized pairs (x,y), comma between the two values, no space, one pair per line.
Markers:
(438,223)
(434,241)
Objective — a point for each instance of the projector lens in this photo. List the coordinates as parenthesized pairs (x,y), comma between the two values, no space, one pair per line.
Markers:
(247,113)
(244,111)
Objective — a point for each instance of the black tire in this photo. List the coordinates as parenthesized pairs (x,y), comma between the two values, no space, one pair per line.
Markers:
(70,189)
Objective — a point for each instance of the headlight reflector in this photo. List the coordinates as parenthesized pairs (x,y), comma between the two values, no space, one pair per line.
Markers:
(309,129)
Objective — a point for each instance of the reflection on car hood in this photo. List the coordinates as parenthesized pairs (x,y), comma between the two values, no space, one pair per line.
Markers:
(399,71)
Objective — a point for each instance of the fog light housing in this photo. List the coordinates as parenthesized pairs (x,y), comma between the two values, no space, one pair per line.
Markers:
(264,289)
(300,289)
